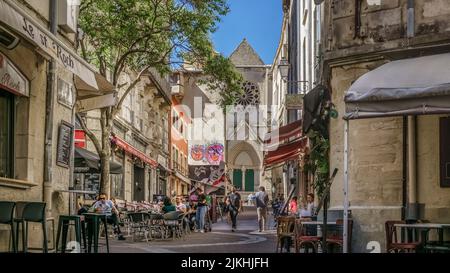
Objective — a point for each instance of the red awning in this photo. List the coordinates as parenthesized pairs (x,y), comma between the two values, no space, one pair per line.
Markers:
(284,133)
(286,152)
(130,149)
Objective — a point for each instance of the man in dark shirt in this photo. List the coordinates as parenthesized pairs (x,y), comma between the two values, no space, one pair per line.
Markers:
(234,203)
(202,208)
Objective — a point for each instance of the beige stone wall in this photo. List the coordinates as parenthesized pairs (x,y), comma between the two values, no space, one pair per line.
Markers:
(375,160)
(385,23)
(375,163)
(30,135)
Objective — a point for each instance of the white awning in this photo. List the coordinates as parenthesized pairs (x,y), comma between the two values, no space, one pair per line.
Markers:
(86,77)
(413,86)
(86,91)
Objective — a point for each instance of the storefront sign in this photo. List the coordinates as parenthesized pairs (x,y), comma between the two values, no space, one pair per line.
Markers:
(162,161)
(11,79)
(80,139)
(12,16)
(64,149)
(66,95)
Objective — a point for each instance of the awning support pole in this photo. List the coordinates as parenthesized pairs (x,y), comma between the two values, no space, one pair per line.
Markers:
(345,235)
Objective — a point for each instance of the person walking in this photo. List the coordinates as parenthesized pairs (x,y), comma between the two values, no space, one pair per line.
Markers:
(234,204)
(262,201)
(202,208)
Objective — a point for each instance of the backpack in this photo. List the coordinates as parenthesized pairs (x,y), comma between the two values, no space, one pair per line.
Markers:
(235,200)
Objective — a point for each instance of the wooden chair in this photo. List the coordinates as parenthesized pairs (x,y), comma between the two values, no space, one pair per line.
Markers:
(393,245)
(336,240)
(285,230)
(303,240)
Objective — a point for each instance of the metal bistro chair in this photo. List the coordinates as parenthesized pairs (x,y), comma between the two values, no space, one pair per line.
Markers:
(33,212)
(335,240)
(393,245)
(303,239)
(138,224)
(285,231)
(156,226)
(171,221)
(7,218)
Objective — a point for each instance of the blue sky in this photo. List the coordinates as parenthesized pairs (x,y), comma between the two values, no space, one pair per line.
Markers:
(257,20)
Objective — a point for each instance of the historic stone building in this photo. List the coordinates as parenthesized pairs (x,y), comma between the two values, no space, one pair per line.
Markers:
(295,71)
(395,163)
(246,151)
(140,141)
(41,79)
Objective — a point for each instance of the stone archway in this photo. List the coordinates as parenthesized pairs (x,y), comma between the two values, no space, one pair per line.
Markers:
(245,164)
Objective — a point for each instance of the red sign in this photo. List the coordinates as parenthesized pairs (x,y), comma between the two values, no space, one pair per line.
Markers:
(80,139)
(131,150)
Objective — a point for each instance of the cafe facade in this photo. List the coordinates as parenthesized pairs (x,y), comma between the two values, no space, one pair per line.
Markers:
(397,164)
(39,71)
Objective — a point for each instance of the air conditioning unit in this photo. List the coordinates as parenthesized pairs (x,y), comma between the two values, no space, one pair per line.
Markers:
(8,39)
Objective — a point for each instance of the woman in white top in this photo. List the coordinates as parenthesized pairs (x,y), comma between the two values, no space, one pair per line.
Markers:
(180,205)
(309,209)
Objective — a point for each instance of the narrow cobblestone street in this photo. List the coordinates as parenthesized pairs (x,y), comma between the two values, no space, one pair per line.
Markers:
(246,239)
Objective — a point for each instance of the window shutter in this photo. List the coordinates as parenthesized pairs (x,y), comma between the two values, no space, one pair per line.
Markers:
(444,151)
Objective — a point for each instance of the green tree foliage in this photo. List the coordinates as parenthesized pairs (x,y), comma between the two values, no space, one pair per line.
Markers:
(134,35)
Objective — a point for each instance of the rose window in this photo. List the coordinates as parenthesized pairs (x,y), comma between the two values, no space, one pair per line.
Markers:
(250,95)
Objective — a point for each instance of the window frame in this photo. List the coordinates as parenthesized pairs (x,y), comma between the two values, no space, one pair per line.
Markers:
(10,98)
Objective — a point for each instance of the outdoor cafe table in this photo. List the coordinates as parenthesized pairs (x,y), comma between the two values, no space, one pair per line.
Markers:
(425,227)
(93,221)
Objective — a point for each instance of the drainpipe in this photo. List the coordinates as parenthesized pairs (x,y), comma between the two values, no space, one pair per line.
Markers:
(412,164)
(410,19)
(405,168)
(49,105)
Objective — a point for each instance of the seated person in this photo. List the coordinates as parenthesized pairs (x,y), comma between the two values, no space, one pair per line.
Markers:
(105,206)
(168,206)
(180,205)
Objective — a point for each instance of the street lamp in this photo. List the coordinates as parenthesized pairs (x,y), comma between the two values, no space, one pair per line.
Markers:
(283,66)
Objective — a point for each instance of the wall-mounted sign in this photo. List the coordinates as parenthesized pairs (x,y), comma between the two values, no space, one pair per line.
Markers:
(15,18)
(294,101)
(64,148)
(66,95)
(11,79)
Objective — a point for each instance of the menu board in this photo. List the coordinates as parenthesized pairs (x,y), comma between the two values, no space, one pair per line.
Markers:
(65,139)
(92,182)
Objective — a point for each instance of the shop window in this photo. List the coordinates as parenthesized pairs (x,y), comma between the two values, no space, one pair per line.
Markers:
(6,134)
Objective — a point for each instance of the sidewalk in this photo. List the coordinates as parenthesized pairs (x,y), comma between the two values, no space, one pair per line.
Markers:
(247,221)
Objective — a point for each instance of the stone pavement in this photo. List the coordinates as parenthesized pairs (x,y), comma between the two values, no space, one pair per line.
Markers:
(246,239)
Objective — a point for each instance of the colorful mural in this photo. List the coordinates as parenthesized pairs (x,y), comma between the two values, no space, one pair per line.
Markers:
(206,154)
